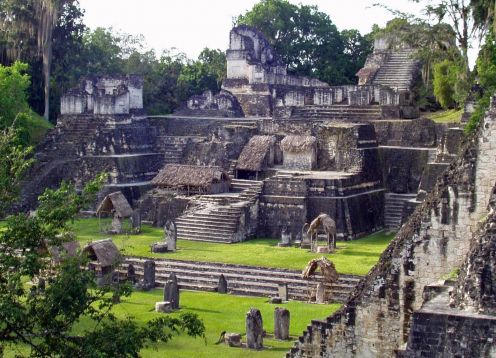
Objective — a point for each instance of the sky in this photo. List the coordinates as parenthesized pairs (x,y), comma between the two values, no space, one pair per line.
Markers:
(191,25)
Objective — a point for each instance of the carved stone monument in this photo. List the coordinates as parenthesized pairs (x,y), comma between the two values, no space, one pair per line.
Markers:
(285,238)
(283,291)
(171,294)
(222,286)
(281,323)
(148,275)
(170,232)
(254,329)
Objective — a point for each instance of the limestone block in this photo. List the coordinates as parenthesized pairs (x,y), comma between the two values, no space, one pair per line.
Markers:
(320,295)
(283,291)
(159,247)
(164,307)
(232,339)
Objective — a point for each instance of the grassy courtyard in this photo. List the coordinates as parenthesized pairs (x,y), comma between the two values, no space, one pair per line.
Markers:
(352,257)
(219,313)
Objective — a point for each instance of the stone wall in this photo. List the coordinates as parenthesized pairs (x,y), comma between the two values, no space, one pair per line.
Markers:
(376,320)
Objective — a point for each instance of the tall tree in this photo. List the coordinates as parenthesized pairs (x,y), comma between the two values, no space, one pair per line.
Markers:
(306,39)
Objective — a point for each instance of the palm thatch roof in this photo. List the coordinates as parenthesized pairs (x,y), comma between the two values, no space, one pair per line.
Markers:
(180,175)
(115,202)
(326,267)
(323,221)
(254,152)
(104,252)
(297,143)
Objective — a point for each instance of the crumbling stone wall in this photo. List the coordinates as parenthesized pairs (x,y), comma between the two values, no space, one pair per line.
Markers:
(376,320)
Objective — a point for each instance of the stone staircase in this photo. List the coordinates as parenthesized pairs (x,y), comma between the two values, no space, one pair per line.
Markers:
(218,218)
(393,209)
(398,70)
(338,112)
(242,280)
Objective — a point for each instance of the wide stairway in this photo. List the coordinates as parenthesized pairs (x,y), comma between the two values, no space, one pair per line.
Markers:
(218,219)
(338,112)
(393,209)
(398,70)
(242,280)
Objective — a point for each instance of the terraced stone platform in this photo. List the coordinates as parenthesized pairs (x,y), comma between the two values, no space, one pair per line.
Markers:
(242,280)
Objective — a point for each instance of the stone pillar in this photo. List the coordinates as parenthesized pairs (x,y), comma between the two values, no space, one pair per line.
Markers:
(171,294)
(149,274)
(254,329)
(222,286)
(131,273)
(136,221)
(283,291)
(285,238)
(170,232)
(320,294)
(281,323)
(173,277)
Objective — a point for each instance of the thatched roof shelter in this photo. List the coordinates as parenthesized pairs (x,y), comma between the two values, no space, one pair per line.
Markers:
(115,202)
(254,152)
(297,143)
(326,267)
(104,252)
(180,176)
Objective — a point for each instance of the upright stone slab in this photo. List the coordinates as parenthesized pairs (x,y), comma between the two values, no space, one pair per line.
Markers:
(222,286)
(171,294)
(149,274)
(254,329)
(281,323)
(136,221)
(320,294)
(131,273)
(285,238)
(170,232)
(283,291)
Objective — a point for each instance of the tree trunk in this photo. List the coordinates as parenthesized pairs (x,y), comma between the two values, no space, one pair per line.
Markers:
(47,64)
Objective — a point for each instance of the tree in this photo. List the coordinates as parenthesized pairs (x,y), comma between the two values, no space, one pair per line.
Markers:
(306,39)
(46,319)
(356,49)
(445,77)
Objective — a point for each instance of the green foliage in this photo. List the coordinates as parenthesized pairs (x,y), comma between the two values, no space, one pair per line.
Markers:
(307,40)
(448,116)
(45,319)
(445,78)
(13,165)
(486,67)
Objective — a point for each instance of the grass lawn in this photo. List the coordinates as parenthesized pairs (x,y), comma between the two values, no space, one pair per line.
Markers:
(352,257)
(447,116)
(219,313)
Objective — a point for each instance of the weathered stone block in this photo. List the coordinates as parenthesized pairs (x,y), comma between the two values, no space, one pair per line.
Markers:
(281,323)
(254,329)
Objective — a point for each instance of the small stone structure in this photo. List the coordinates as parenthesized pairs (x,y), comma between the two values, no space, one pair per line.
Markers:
(254,329)
(104,257)
(320,294)
(222,285)
(222,104)
(299,152)
(328,225)
(131,273)
(192,179)
(285,238)
(281,323)
(164,307)
(104,96)
(116,205)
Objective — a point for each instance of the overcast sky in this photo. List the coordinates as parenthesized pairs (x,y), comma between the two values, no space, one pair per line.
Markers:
(191,25)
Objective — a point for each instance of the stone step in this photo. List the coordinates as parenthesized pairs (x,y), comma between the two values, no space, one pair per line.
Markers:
(243,280)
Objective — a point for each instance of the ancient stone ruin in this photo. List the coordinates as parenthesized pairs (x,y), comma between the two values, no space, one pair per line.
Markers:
(269,154)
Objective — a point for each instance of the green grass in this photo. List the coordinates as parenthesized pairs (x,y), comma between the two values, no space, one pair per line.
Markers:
(447,116)
(352,257)
(219,313)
